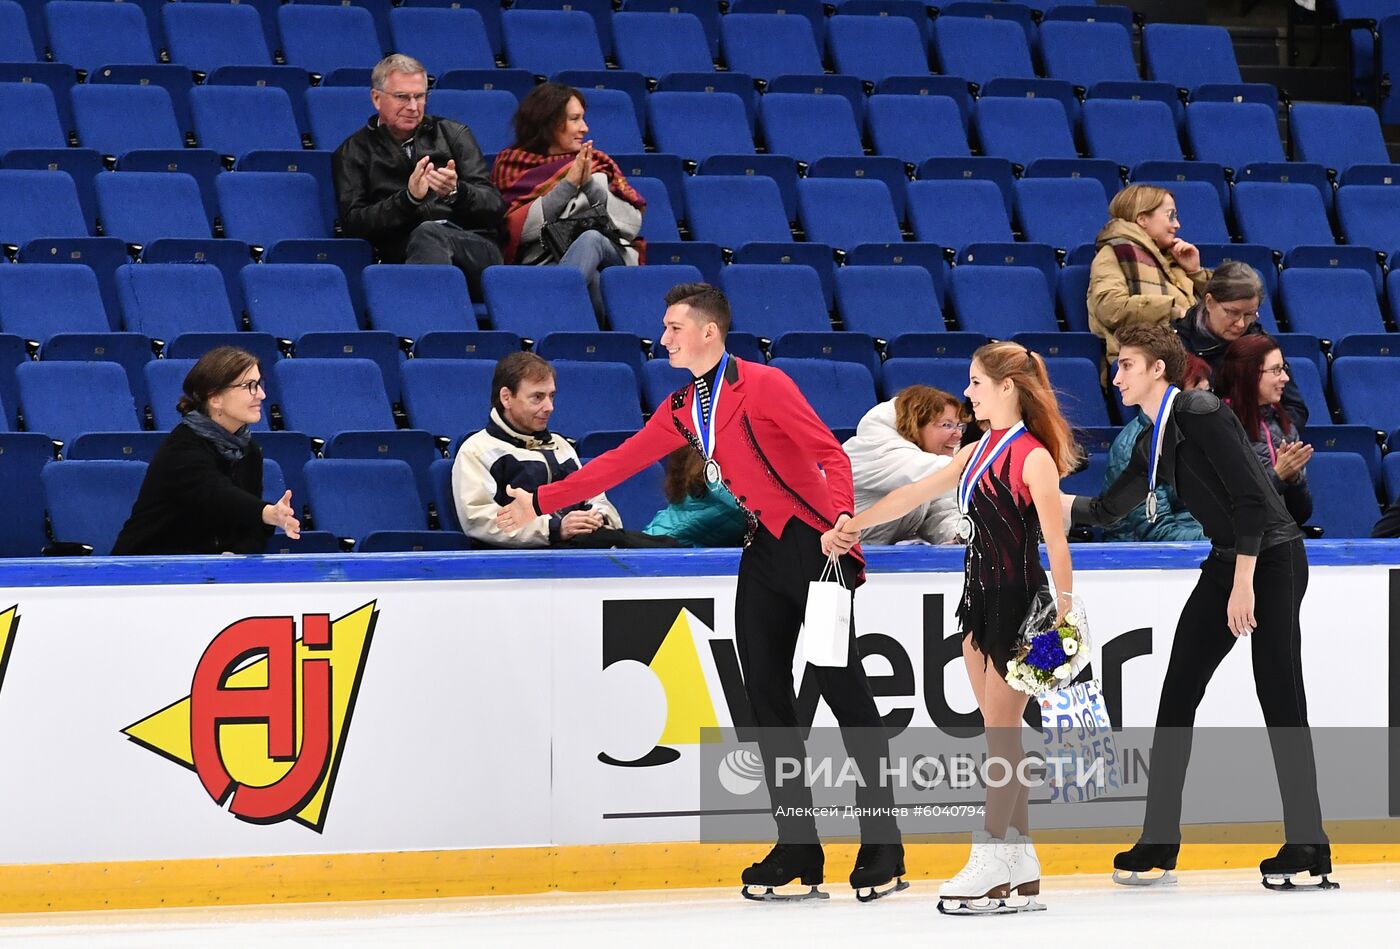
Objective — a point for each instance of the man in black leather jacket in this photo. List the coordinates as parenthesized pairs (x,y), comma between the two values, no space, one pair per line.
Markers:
(415,185)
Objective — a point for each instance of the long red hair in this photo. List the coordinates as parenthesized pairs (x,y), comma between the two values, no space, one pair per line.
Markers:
(1040,409)
(1238,381)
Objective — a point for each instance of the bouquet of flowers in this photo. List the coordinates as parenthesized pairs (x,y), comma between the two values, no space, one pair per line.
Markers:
(1049,657)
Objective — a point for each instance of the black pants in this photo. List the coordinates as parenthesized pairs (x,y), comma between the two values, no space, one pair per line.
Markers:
(768,610)
(442,242)
(1203,639)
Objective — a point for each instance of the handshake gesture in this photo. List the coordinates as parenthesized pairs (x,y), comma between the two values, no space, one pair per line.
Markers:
(840,538)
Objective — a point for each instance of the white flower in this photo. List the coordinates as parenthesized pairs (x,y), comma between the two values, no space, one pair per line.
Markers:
(1012,668)
(1062,672)
(1070,646)
(1074,618)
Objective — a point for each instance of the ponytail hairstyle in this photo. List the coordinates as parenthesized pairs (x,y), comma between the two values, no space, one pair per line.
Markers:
(1039,407)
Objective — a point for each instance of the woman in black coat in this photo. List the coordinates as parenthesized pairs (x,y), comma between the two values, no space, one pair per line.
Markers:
(203,489)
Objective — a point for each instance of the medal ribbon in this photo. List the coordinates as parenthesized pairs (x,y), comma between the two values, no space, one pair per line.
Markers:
(974,471)
(1167,400)
(705,427)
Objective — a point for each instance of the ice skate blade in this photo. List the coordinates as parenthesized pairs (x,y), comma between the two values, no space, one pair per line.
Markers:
(1132,879)
(1283,883)
(991,907)
(870,894)
(765,894)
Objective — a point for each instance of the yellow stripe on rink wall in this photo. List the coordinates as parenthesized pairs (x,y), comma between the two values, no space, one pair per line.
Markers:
(457,873)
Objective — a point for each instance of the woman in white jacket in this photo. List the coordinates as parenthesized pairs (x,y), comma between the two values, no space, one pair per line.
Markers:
(907,438)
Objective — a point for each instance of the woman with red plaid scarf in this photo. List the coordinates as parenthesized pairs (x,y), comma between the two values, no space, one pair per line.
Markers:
(553,173)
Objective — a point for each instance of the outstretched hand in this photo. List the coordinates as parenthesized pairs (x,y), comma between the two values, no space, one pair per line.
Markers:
(283,515)
(519,512)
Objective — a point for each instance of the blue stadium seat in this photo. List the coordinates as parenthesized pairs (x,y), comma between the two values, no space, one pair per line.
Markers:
(770,300)
(1023,130)
(1391,466)
(1079,345)
(1061,212)
(845,213)
(116,119)
(1042,257)
(314,162)
(1281,216)
(65,399)
(764,45)
(335,113)
(589,81)
(635,297)
(518,82)
(140,207)
(91,34)
(1364,386)
(163,301)
(290,300)
(443,39)
(1076,382)
(1344,496)
(999,171)
(613,123)
(696,125)
(595,397)
(38,302)
(1198,210)
(262,208)
(658,221)
(16,43)
(235,120)
(1297,172)
(486,112)
(1189,55)
(1368,216)
(1355,439)
(954,87)
(809,127)
(656,44)
(732,211)
(669,170)
(440,474)
(478,344)
(323,39)
(876,47)
(1088,480)
(706,257)
(736,84)
(955,213)
(415,447)
(1087,53)
(979,50)
(23,456)
(352,497)
(660,379)
(89,501)
(414,301)
(706,11)
(324,397)
(1001,301)
(205,36)
(1071,293)
(640,497)
(448,397)
(1130,132)
(547,41)
(41,127)
(844,346)
(888,302)
(1337,136)
(839,392)
(781,169)
(1309,381)
(1233,134)
(882,168)
(488,10)
(946,373)
(1330,304)
(915,128)
(534,301)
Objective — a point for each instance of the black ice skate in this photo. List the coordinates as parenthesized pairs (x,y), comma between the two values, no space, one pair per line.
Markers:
(785,863)
(876,865)
(1144,858)
(1293,859)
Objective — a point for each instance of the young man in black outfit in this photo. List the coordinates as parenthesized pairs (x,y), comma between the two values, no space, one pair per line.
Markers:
(1252,584)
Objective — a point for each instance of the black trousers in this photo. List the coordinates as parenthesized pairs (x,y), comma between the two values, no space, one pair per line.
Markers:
(768,610)
(1203,639)
(442,242)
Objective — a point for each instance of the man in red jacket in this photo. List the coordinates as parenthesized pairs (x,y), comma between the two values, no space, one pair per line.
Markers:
(791,478)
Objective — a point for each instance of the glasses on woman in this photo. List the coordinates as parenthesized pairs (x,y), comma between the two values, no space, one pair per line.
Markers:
(1275,371)
(252,386)
(1239,315)
(958,427)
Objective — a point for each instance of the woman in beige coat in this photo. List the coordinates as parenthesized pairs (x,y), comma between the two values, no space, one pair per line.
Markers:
(1143,272)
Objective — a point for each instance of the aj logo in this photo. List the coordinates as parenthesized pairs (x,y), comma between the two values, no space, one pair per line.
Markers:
(9,622)
(265,722)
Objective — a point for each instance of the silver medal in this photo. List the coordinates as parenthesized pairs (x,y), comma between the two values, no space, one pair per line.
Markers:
(712,473)
(1152,507)
(966,531)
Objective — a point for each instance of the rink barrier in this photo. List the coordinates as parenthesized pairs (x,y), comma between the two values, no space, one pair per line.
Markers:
(92,817)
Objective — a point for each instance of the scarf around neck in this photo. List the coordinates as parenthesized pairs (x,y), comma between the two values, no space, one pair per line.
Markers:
(230,445)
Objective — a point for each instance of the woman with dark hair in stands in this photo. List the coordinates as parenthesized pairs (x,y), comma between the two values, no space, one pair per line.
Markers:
(1251,381)
(203,489)
(1143,272)
(553,172)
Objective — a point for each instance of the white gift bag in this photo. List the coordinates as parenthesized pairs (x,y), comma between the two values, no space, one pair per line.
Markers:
(826,625)
(1078,739)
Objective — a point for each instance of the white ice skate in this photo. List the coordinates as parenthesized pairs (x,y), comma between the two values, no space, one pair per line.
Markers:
(1021,860)
(982,886)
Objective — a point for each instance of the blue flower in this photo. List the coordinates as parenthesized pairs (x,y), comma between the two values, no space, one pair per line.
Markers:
(1046,652)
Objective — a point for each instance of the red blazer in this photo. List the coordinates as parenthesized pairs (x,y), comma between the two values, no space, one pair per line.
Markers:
(768,443)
